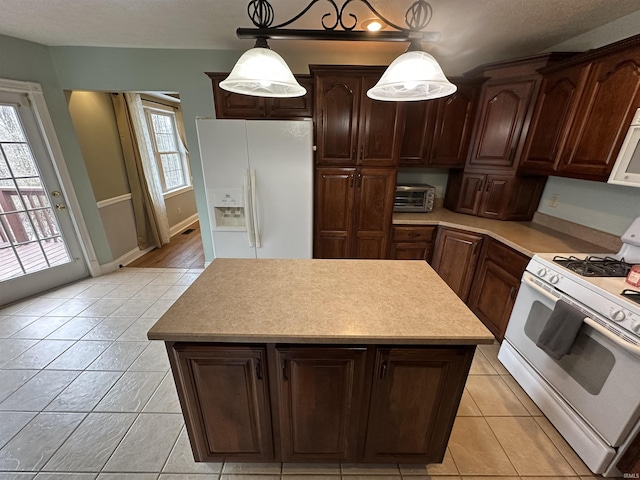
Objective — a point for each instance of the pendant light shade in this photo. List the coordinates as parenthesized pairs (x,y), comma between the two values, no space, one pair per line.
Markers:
(261,72)
(414,75)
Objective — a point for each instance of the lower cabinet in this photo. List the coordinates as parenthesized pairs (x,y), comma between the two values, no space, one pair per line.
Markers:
(327,404)
(225,401)
(320,390)
(414,399)
(409,242)
(495,285)
(455,258)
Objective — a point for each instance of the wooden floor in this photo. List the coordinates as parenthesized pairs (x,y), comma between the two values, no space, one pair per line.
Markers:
(31,258)
(184,251)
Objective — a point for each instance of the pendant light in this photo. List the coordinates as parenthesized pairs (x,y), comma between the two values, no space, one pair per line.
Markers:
(261,72)
(414,75)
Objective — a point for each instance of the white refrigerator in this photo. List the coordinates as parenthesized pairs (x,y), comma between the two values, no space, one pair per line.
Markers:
(258,176)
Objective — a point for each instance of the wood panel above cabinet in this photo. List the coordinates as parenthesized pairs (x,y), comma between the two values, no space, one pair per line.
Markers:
(236,106)
(437,132)
(351,128)
(583,113)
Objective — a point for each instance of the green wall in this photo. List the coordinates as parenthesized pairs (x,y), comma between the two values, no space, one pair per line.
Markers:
(27,61)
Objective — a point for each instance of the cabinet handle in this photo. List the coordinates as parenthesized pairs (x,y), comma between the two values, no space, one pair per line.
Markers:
(480,185)
(351,180)
(414,234)
(361,152)
(353,153)
(285,375)
(383,370)
(359,180)
(259,369)
(488,186)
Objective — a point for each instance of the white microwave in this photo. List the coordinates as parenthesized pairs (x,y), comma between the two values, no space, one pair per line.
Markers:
(626,170)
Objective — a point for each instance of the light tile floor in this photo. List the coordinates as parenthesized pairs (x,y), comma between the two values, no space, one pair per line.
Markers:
(84,395)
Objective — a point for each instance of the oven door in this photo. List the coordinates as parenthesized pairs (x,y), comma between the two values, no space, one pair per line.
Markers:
(599,379)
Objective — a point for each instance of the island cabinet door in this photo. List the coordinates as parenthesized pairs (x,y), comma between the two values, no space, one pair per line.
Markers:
(414,400)
(320,392)
(225,401)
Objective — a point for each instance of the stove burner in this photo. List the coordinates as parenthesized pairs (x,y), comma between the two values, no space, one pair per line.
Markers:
(595,266)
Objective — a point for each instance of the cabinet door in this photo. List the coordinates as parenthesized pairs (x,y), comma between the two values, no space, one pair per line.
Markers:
(320,391)
(419,118)
(380,129)
(414,398)
(455,258)
(470,193)
(234,105)
(334,200)
(554,112)
(293,107)
(336,109)
(611,97)
(495,286)
(453,125)
(226,401)
(504,107)
(373,210)
(495,197)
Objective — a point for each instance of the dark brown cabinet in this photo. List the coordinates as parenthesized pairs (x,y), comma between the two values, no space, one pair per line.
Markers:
(410,242)
(226,397)
(353,208)
(504,106)
(351,128)
(455,258)
(584,111)
(495,285)
(437,132)
(503,197)
(320,391)
(235,106)
(412,398)
(327,403)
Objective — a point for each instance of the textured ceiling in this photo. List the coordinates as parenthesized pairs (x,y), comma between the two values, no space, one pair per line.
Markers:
(473,31)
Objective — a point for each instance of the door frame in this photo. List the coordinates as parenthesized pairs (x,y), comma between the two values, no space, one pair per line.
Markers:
(35,94)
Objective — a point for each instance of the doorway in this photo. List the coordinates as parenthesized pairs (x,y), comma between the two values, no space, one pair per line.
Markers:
(39,248)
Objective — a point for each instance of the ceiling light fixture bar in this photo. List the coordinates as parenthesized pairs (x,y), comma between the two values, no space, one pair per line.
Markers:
(415,75)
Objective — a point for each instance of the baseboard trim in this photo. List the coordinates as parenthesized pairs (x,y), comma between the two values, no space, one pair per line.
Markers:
(179,227)
(124,260)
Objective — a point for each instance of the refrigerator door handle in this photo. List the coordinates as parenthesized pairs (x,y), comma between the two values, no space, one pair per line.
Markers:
(254,209)
(247,215)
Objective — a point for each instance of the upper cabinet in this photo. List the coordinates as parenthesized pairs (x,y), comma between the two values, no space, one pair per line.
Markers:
(351,128)
(437,132)
(236,106)
(504,107)
(584,113)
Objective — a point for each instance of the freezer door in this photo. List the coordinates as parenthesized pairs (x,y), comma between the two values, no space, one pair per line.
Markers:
(280,152)
(225,164)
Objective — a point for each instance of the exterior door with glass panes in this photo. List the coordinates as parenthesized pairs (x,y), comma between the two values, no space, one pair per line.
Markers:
(39,249)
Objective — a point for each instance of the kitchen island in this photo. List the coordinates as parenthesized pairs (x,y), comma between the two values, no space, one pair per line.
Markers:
(319,360)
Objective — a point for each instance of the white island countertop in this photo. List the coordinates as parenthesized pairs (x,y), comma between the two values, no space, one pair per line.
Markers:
(320,301)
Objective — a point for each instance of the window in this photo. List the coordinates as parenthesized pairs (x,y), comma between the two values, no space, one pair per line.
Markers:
(168,149)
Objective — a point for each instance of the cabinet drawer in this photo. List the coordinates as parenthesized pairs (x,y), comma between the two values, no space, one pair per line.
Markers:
(413,234)
(508,259)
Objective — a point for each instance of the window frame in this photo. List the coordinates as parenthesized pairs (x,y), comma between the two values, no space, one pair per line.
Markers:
(160,109)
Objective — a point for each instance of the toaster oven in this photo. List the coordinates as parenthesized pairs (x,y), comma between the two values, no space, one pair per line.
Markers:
(414,198)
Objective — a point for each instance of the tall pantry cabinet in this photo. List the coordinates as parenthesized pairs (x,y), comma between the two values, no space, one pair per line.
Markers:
(357,149)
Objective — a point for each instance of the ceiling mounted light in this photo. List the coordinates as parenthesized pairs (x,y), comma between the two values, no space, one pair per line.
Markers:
(261,72)
(415,75)
(373,24)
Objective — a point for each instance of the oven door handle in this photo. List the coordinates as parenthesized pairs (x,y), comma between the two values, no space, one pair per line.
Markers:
(629,347)
(528,279)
